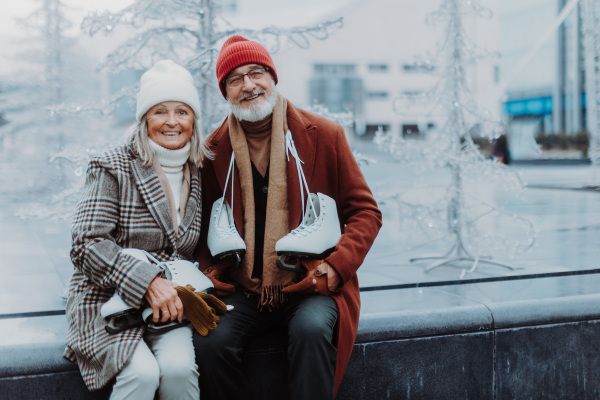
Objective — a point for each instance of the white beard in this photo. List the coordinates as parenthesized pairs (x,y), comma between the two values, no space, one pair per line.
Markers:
(256,112)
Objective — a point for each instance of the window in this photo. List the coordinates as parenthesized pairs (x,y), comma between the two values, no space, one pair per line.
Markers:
(335,69)
(337,93)
(377,95)
(337,87)
(374,128)
(410,130)
(423,68)
(227,6)
(411,93)
(378,68)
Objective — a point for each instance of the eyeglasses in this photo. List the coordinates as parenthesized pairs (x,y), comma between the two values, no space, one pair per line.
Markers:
(254,75)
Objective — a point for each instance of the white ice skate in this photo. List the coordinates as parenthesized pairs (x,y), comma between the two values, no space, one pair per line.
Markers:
(319,231)
(119,316)
(223,238)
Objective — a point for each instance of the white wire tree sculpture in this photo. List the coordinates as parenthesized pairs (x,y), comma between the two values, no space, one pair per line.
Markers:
(453,148)
(49,73)
(41,79)
(189,32)
(590,12)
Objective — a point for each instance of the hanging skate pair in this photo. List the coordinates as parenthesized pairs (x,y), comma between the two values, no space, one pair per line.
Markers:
(119,316)
(318,232)
(223,239)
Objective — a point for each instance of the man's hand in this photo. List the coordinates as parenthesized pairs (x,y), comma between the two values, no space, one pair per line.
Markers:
(214,273)
(320,278)
(166,304)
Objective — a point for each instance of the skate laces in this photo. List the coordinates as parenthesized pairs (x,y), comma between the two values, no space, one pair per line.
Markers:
(303,230)
(230,228)
(290,148)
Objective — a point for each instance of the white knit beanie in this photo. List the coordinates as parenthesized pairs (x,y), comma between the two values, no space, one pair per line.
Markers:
(166,81)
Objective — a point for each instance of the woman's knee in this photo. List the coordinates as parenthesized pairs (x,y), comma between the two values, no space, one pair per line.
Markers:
(140,377)
(179,366)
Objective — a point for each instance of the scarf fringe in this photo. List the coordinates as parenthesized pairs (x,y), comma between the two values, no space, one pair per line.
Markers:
(271,297)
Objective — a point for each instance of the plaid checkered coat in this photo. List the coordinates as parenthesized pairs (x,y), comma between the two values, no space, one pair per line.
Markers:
(123,206)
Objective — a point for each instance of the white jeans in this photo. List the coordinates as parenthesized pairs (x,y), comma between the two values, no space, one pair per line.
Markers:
(163,361)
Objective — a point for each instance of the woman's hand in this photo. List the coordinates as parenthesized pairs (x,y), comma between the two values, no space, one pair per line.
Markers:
(166,304)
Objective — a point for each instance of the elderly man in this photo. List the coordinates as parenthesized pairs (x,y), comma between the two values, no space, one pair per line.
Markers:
(319,307)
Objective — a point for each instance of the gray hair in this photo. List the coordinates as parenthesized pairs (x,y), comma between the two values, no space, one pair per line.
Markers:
(138,138)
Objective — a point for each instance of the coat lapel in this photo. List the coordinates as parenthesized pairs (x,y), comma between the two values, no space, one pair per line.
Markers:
(194,199)
(149,187)
(305,139)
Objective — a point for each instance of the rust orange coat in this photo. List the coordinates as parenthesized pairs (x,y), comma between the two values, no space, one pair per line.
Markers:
(330,168)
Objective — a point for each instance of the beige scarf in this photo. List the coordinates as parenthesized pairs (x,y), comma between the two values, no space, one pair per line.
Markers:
(276,225)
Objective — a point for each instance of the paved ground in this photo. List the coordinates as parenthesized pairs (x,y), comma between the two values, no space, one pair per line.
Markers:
(565,217)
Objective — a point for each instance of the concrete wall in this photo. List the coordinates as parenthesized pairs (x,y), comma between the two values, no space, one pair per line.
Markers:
(521,339)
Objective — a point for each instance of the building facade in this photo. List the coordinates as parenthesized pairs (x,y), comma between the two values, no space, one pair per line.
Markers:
(383,51)
(541,71)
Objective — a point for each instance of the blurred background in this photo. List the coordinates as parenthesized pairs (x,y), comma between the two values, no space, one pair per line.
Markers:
(394,73)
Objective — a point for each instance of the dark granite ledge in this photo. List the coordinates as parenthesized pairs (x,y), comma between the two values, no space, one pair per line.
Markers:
(476,340)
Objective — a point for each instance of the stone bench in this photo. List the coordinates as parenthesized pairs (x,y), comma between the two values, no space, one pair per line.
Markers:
(531,338)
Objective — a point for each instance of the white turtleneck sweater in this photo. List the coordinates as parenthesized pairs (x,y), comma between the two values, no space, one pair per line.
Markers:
(172,162)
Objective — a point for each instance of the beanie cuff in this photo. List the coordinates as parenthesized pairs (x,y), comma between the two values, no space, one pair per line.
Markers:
(166,81)
(157,92)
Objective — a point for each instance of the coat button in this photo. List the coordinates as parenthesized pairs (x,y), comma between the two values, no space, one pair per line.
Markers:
(169,250)
(265,189)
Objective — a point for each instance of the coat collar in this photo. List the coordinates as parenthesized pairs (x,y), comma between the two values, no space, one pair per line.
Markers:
(304,135)
(149,186)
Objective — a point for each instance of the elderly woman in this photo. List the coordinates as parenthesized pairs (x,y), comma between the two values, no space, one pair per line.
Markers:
(143,195)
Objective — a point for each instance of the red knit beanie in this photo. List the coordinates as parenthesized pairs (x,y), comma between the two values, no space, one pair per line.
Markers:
(238,51)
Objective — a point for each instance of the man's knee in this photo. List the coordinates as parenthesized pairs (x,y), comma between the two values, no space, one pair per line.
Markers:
(215,348)
(314,323)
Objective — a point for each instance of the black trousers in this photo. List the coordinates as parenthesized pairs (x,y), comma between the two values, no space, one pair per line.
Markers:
(310,322)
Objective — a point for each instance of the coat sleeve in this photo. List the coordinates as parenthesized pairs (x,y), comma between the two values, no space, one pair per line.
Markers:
(95,251)
(360,217)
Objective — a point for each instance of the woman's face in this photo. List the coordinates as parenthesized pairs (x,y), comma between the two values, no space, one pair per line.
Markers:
(170,124)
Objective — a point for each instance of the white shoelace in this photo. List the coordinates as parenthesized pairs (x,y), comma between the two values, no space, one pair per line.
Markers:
(290,148)
(230,229)
(303,230)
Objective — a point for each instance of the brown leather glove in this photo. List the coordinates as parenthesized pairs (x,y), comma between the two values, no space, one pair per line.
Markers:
(200,308)
(314,282)
(214,273)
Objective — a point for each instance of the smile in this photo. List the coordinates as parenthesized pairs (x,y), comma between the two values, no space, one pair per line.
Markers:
(171,133)
(252,97)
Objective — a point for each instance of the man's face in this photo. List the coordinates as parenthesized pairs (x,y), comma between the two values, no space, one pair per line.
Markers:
(252,94)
